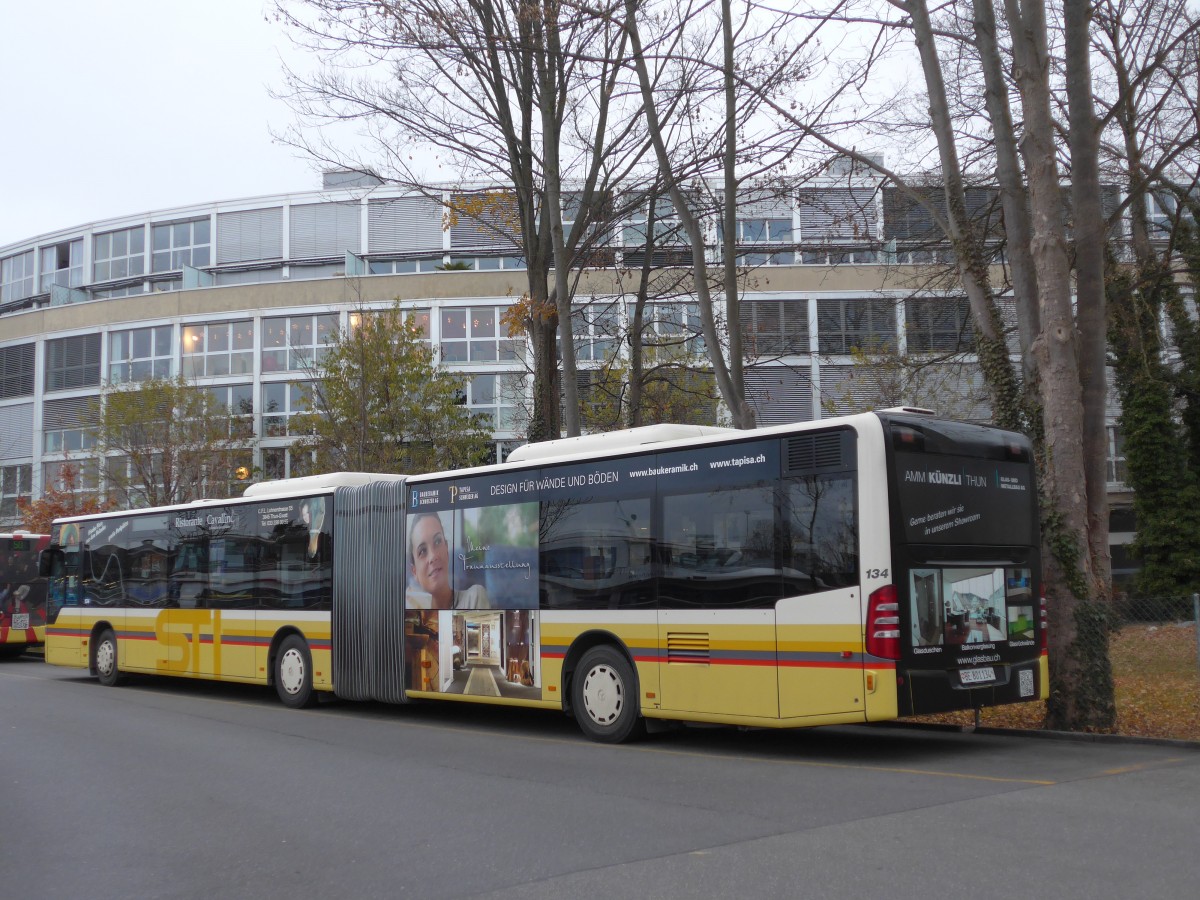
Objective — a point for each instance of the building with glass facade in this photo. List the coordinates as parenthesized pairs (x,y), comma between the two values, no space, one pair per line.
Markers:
(242,297)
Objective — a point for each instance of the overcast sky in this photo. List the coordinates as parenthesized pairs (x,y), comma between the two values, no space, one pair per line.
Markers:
(137,105)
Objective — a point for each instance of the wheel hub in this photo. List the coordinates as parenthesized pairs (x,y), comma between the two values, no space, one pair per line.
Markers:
(291,671)
(603,695)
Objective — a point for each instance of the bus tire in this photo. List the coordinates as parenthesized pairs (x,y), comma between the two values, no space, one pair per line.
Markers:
(293,673)
(604,696)
(104,658)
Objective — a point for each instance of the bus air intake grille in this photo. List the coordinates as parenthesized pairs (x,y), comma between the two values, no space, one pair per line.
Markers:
(808,453)
(687,647)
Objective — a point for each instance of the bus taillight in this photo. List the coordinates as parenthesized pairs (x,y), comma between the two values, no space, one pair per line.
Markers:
(1044,640)
(883,623)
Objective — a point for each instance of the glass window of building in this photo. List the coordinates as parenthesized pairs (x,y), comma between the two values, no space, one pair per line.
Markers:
(73,362)
(938,325)
(286,462)
(179,244)
(67,439)
(16,277)
(62,264)
(16,483)
(419,317)
(485,263)
(760,232)
(845,325)
(119,254)
(16,370)
(63,424)
(128,290)
(774,327)
(1118,471)
(282,401)
(494,396)
(139,353)
(218,348)
(477,334)
(832,215)
(670,331)
(237,402)
(667,227)
(596,328)
(79,477)
(296,343)
(405,266)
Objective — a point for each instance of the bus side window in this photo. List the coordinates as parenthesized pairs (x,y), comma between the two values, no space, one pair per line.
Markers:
(596,555)
(823,530)
(719,548)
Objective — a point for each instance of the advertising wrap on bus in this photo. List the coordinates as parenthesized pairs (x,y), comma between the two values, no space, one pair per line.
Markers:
(958,500)
(967,563)
(849,570)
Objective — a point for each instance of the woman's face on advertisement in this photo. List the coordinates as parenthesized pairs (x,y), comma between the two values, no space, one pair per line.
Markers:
(431,556)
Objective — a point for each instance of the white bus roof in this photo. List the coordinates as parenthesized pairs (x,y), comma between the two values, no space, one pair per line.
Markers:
(313,484)
(615,440)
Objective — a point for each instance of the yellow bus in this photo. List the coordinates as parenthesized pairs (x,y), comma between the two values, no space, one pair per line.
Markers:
(22,593)
(854,569)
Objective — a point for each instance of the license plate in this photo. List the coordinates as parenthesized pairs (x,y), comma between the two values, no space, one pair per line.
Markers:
(20,621)
(977,676)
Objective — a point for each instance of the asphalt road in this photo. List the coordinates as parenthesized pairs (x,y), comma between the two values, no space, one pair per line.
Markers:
(167,788)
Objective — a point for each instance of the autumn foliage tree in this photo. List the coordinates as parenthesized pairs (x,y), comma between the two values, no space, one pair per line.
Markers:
(379,402)
(61,499)
(168,440)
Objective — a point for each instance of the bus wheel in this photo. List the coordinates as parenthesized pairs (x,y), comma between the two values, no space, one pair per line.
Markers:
(105,658)
(293,673)
(604,696)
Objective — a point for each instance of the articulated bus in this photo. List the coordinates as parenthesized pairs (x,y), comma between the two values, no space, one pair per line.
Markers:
(22,593)
(855,569)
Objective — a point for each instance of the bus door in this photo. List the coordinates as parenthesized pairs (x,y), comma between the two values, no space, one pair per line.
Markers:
(220,623)
(820,635)
(719,581)
(208,625)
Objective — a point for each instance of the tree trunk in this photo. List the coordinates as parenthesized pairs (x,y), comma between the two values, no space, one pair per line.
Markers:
(1012,189)
(1090,243)
(1081,691)
(735,401)
(733,316)
(549,57)
(966,240)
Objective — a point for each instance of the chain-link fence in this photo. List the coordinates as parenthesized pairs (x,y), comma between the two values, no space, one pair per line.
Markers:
(1128,609)
(1152,614)
(1154,648)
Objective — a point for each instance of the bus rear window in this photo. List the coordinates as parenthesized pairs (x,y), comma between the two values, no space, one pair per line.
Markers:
(964,500)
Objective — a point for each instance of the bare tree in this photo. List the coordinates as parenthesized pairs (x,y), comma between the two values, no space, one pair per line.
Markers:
(715,64)
(508,94)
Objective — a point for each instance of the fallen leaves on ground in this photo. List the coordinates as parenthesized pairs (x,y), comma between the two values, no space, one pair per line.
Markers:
(1156,673)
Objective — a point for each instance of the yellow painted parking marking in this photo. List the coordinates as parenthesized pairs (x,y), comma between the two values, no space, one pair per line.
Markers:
(1141,767)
